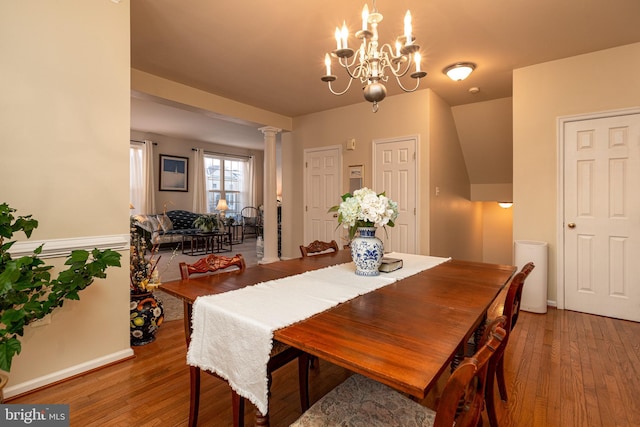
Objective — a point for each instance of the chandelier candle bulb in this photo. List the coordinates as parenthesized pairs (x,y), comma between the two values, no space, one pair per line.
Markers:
(407,27)
(327,63)
(416,57)
(345,35)
(337,34)
(365,17)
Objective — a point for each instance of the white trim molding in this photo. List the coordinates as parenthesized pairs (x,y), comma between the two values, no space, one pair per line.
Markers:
(54,248)
(63,374)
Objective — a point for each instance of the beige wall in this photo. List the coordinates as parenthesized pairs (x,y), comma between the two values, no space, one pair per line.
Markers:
(401,115)
(456,222)
(183,148)
(65,123)
(598,81)
(497,234)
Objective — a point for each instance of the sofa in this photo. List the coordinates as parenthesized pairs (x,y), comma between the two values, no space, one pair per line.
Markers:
(166,228)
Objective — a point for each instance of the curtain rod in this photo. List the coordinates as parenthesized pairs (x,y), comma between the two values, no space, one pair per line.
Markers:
(142,142)
(224,154)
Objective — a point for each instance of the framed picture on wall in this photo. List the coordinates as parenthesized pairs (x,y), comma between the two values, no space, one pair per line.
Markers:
(174,173)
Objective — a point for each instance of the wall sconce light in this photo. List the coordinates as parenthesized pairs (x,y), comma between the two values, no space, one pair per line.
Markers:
(459,71)
(505,205)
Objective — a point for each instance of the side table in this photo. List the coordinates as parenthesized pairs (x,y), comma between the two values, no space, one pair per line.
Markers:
(237,234)
(220,240)
(199,243)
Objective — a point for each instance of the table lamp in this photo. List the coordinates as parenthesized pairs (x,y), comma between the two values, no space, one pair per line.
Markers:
(221,207)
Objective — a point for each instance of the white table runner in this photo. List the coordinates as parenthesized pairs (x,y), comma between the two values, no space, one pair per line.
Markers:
(233,331)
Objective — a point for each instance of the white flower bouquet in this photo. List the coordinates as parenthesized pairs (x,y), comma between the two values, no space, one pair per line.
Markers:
(365,208)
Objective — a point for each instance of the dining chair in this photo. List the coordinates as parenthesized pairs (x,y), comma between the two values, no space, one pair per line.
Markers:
(318,246)
(280,355)
(360,401)
(251,221)
(495,372)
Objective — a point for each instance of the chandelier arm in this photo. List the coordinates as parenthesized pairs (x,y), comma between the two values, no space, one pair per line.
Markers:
(395,70)
(354,74)
(344,91)
(357,73)
(405,89)
(344,62)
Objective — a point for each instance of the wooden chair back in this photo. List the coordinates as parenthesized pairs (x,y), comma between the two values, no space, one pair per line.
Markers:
(510,314)
(317,246)
(212,263)
(514,296)
(462,399)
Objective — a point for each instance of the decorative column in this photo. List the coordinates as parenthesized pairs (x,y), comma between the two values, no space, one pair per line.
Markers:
(270,225)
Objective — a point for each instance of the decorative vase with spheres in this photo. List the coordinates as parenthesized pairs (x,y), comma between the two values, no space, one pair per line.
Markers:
(361,213)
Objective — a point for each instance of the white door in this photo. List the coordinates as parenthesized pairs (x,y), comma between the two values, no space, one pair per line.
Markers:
(323,188)
(602,216)
(394,172)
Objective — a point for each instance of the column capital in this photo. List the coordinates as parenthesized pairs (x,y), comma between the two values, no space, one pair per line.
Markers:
(270,130)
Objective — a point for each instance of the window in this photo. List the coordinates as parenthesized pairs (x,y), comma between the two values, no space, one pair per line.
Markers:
(228,178)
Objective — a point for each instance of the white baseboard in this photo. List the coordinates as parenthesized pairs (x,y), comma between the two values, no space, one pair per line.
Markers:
(45,380)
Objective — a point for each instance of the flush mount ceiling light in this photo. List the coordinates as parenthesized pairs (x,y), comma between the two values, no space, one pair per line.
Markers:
(459,71)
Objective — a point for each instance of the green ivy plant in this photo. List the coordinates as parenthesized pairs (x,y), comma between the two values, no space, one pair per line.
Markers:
(27,290)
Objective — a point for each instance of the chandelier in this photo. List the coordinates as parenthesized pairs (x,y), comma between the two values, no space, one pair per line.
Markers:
(373,64)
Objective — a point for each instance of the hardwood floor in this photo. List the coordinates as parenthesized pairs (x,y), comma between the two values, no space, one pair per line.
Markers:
(563,369)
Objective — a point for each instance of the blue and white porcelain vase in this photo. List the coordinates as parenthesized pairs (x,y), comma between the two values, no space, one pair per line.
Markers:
(366,252)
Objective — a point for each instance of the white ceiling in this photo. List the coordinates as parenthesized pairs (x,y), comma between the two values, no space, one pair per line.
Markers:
(269,54)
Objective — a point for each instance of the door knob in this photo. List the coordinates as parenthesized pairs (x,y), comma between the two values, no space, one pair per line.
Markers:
(335,215)
(571,225)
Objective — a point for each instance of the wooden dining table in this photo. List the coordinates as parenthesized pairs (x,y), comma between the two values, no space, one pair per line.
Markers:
(404,334)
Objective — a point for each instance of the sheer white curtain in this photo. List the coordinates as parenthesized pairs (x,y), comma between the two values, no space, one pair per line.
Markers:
(149,202)
(199,183)
(136,177)
(248,192)
(141,191)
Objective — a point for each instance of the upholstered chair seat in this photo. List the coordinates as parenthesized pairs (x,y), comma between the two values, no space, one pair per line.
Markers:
(384,407)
